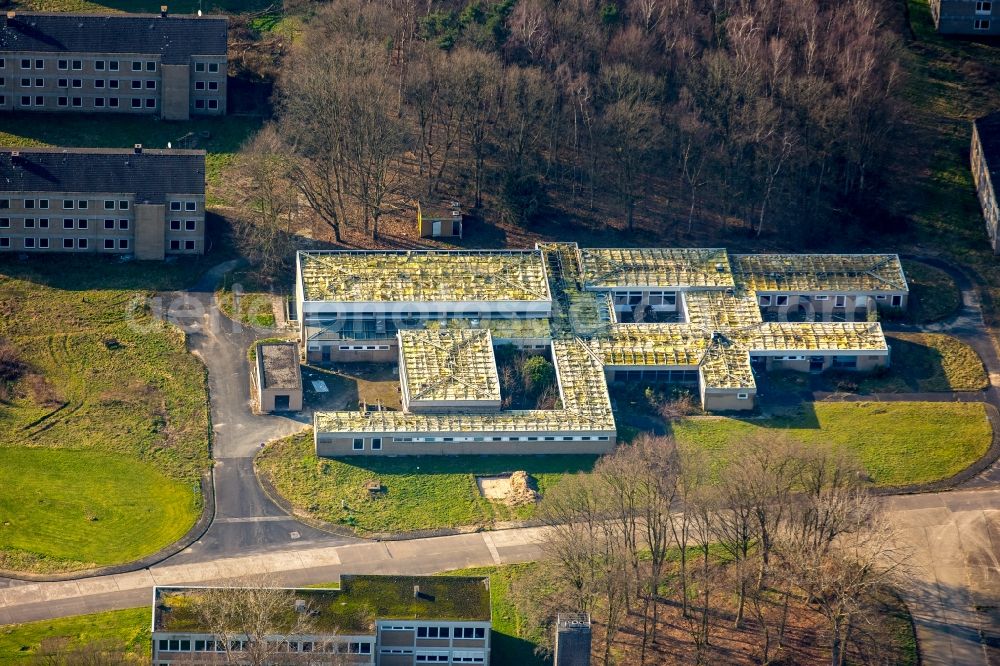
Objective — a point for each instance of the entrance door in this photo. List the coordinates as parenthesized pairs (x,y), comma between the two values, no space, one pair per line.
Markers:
(326,353)
(815,364)
(280,403)
(897,300)
(436,228)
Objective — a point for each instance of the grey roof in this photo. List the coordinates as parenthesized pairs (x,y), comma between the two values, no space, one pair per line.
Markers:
(280,362)
(174,38)
(149,175)
(989,136)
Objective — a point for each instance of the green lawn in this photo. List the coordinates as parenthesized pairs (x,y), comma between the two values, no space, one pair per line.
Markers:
(254,301)
(110,382)
(897,443)
(421,492)
(128,629)
(929,362)
(933,293)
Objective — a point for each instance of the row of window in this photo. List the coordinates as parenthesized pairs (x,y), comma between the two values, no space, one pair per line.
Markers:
(652,297)
(67,204)
(42,243)
(67,243)
(565,438)
(665,376)
(364,347)
(64,64)
(212,67)
(981,24)
(114,84)
(445,632)
(329,647)
(328,318)
(189,225)
(359,444)
(984,7)
(839,301)
(444,659)
(43,223)
(98,102)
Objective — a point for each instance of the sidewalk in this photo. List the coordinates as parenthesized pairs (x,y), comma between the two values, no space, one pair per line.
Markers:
(289,567)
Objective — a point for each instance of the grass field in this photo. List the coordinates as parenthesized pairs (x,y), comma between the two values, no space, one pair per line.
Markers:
(110,382)
(897,443)
(254,303)
(929,362)
(421,493)
(128,629)
(933,293)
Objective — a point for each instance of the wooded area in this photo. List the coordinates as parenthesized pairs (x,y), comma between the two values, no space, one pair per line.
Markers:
(762,114)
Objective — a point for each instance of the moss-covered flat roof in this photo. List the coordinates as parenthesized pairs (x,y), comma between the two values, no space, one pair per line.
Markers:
(422,276)
(448,365)
(352,609)
(843,273)
(619,268)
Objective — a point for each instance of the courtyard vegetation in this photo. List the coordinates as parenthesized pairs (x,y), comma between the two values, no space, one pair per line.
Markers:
(107,398)
(933,293)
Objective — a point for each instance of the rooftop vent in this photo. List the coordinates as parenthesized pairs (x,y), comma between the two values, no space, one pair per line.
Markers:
(417,594)
(11,15)
(163,11)
(137,149)
(720,267)
(300,605)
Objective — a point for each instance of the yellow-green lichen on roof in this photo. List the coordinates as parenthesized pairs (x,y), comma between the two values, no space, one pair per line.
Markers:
(610,268)
(842,273)
(448,365)
(651,345)
(727,366)
(350,610)
(423,276)
(816,336)
(583,389)
(532,328)
(720,309)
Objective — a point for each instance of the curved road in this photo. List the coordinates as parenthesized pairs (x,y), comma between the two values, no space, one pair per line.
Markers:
(953,589)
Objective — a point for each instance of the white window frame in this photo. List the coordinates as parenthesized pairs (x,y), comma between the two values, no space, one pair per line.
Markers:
(840,301)
(358,444)
(981,24)
(764,300)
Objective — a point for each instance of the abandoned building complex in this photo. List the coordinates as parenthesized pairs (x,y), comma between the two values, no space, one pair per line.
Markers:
(419,620)
(985,156)
(155,64)
(697,317)
(146,203)
(965,17)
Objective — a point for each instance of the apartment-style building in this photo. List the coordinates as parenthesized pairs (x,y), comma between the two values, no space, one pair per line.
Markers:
(985,157)
(376,620)
(172,66)
(695,317)
(138,202)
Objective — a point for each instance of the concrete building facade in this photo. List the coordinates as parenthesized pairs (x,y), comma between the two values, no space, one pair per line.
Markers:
(978,18)
(139,202)
(421,620)
(277,379)
(153,64)
(985,158)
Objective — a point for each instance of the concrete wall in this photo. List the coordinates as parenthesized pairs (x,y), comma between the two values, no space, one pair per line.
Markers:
(149,231)
(826,310)
(986,191)
(266,398)
(728,400)
(176,93)
(338,445)
(338,355)
(865,363)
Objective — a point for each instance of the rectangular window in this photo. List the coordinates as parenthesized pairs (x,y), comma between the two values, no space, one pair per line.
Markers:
(190,206)
(984,7)
(359,444)
(98,102)
(4,242)
(376,443)
(175,225)
(213,104)
(123,224)
(113,65)
(175,205)
(67,223)
(62,64)
(39,64)
(77,101)
(67,243)
(82,204)
(29,242)
(63,101)
(25,63)
(742,396)
(781,300)
(82,243)
(39,100)
(122,243)
(190,225)
(43,223)
(136,103)
(29,204)
(68,204)
(43,243)
(213,85)
(113,102)
(136,84)
(199,104)
(150,66)
(25,82)
(822,298)
(982,24)
(109,204)
(63,83)
(113,84)
(77,83)
(213,67)
(199,85)
(29,223)
(839,301)
(175,245)
(82,224)
(136,66)
(109,224)
(98,83)
(189,245)
(150,103)
(199,67)
(765,301)
(123,204)
(39,83)
(150,85)
(77,65)
(4,223)
(25,100)
(99,65)
(109,244)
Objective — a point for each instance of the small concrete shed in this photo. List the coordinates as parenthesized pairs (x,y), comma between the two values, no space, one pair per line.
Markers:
(278,379)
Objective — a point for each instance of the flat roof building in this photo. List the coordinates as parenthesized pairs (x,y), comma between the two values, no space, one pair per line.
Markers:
(141,202)
(156,64)
(277,377)
(696,317)
(380,620)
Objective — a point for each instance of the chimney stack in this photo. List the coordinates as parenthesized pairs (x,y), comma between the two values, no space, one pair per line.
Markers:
(138,149)
(163,11)
(572,644)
